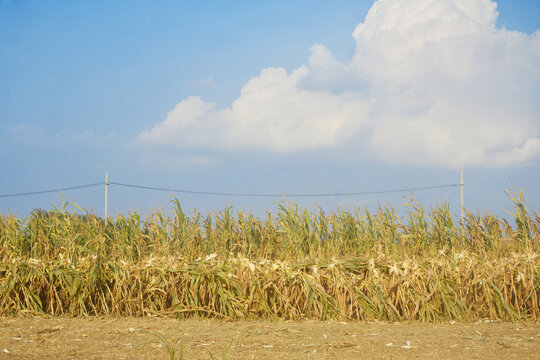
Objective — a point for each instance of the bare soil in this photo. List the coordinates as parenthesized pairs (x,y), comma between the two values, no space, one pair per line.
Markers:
(157,338)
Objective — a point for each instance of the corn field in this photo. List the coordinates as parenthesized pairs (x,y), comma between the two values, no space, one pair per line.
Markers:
(293,264)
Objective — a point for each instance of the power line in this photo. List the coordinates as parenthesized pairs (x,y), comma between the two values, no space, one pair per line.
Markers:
(53,190)
(284,195)
(211,193)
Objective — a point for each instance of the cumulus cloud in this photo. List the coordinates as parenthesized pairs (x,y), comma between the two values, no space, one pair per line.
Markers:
(431,83)
(272,113)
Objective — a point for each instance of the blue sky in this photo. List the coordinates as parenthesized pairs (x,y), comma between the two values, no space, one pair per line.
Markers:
(269,97)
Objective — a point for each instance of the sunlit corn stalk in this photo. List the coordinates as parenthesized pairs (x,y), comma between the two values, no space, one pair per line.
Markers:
(292,265)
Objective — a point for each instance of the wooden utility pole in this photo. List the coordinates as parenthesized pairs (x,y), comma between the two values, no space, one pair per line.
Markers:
(106,196)
(462,205)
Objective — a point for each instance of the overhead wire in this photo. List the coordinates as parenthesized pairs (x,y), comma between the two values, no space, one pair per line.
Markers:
(238,194)
(282,195)
(69,188)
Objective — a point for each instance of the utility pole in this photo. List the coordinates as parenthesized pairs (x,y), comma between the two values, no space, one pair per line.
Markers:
(106,196)
(462,205)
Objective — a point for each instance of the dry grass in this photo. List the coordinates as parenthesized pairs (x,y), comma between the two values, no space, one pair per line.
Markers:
(293,265)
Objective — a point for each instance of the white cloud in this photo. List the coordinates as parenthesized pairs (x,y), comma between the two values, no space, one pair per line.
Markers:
(272,113)
(432,83)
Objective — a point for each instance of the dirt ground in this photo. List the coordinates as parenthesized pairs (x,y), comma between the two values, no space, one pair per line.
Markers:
(155,338)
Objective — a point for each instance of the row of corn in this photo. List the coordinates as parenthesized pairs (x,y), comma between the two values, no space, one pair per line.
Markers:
(452,286)
(291,265)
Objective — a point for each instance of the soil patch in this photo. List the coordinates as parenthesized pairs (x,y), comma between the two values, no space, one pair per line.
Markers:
(156,338)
